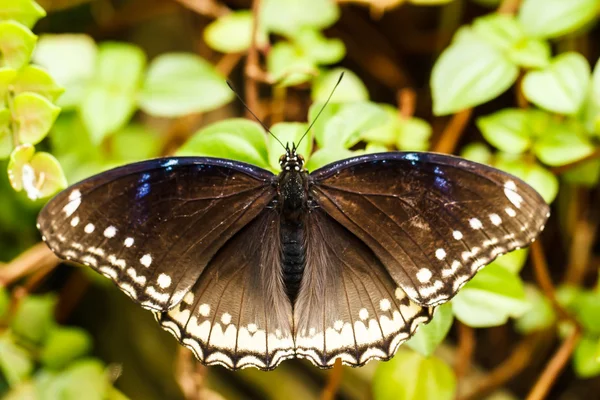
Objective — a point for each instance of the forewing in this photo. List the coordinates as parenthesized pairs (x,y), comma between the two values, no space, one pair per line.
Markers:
(349,307)
(153,226)
(433,220)
(237,314)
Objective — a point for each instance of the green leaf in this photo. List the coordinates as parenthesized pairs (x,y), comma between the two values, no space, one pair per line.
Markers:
(586,359)
(71,60)
(179,84)
(540,315)
(15,362)
(530,53)
(35,79)
(319,48)
(507,130)
(563,143)
(288,17)
(429,337)
(410,376)
(26,12)
(553,18)
(414,135)
(490,298)
(542,180)
(232,33)
(6,140)
(34,317)
(586,174)
(63,345)
(16,44)
(513,261)
(83,376)
(375,147)
(7,75)
(469,73)
(477,152)
(135,142)
(39,174)
(562,86)
(288,132)
(325,156)
(289,64)
(351,88)
(344,128)
(236,138)
(587,310)
(4,303)
(388,131)
(34,115)
(111,97)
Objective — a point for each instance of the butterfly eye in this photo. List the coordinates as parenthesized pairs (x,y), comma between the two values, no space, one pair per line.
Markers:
(281,159)
(301,158)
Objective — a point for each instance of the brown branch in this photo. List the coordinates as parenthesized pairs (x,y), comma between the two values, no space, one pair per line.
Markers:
(554,367)
(252,63)
(407,99)
(334,381)
(208,8)
(508,369)
(228,62)
(542,276)
(453,132)
(509,7)
(38,257)
(567,167)
(464,353)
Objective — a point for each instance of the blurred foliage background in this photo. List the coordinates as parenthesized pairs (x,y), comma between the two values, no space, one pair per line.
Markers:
(86,85)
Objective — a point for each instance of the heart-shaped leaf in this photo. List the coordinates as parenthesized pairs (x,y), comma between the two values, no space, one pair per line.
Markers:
(34,115)
(553,18)
(16,44)
(26,12)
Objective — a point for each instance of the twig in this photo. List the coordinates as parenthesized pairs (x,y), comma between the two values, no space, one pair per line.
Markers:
(208,8)
(464,353)
(252,64)
(554,367)
(36,258)
(333,383)
(228,62)
(542,276)
(453,132)
(407,99)
(509,368)
(567,167)
(509,7)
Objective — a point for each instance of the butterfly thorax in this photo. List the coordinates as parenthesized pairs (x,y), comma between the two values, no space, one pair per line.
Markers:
(292,200)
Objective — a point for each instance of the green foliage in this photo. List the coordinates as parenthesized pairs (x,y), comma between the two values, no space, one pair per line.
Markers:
(26,12)
(552,18)
(540,314)
(410,376)
(429,337)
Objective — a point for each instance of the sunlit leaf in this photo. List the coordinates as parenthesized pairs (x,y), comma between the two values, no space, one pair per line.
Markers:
(410,376)
(63,345)
(586,174)
(325,156)
(319,48)
(552,18)
(562,86)
(540,314)
(288,132)
(469,73)
(236,138)
(490,298)
(429,337)
(513,261)
(388,132)
(563,143)
(71,60)
(110,99)
(4,302)
(7,75)
(39,174)
(84,376)
(6,140)
(507,130)
(351,88)
(288,17)
(35,79)
(414,135)
(344,128)
(542,180)
(586,358)
(178,84)
(477,152)
(34,317)
(232,33)
(16,44)
(34,115)
(135,142)
(289,65)
(15,363)
(26,12)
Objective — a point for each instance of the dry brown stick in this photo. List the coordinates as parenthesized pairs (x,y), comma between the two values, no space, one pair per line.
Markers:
(567,167)
(554,367)
(509,7)
(453,132)
(542,276)
(464,353)
(35,258)
(208,8)
(509,368)
(407,99)
(252,63)
(333,381)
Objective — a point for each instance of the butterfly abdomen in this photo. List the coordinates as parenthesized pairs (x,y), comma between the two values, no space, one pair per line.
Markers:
(293,256)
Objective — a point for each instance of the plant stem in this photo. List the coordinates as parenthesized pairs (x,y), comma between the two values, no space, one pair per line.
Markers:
(333,382)
(252,63)
(453,132)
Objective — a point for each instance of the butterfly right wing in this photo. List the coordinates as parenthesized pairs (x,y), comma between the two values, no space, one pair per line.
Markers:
(237,313)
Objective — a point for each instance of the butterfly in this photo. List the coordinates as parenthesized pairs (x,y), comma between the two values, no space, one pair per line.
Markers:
(249,268)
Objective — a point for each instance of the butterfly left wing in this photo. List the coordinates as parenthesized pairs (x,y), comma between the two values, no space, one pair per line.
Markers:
(432,220)
(348,306)
(237,314)
(152,226)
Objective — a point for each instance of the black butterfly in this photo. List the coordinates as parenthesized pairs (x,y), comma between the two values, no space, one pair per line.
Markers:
(248,268)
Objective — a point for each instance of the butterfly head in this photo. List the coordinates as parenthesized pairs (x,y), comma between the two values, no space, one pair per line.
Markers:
(291,160)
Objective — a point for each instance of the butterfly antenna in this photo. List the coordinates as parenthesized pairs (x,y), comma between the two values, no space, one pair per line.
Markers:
(250,111)
(322,108)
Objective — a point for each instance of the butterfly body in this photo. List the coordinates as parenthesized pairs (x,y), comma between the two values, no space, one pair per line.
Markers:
(248,268)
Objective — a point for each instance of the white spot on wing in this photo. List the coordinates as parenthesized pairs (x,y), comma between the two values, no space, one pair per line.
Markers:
(424,275)
(440,254)
(384,304)
(338,325)
(475,223)
(495,218)
(204,310)
(75,221)
(363,314)
(89,228)
(73,204)
(226,318)
(253,328)
(110,232)
(457,235)
(146,260)
(164,281)
(510,212)
(128,242)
